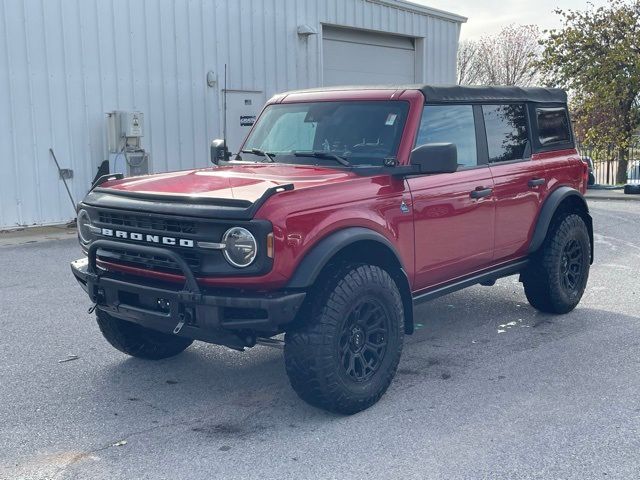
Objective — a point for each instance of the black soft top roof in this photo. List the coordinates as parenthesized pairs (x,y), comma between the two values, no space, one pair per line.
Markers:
(457,93)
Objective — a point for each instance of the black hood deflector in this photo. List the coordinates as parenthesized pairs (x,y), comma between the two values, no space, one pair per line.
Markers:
(203,207)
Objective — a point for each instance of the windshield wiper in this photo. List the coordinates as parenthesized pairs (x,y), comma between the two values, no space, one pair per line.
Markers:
(328,155)
(260,153)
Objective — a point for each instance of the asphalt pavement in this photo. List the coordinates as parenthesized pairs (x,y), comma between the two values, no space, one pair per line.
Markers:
(487,388)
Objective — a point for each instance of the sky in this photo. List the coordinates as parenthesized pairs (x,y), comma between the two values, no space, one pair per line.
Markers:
(489,16)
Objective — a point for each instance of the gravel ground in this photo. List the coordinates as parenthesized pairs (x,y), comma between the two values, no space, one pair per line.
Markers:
(487,388)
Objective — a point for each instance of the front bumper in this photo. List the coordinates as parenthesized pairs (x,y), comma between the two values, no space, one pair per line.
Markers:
(230,319)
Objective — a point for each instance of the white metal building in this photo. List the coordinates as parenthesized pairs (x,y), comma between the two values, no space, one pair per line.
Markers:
(65,63)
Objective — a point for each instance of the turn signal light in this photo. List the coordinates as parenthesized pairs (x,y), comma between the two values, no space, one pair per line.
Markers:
(270,245)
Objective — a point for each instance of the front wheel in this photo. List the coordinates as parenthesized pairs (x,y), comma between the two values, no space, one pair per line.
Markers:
(344,357)
(557,275)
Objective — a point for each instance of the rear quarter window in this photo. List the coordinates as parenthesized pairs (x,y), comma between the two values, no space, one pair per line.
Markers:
(553,126)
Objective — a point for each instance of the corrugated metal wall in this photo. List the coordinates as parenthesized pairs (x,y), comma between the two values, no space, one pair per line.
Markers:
(64,63)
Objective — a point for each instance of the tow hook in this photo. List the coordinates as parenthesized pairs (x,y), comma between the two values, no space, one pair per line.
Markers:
(99,298)
(179,325)
(185,317)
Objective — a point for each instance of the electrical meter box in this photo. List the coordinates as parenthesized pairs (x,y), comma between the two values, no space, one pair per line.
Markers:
(132,124)
(125,128)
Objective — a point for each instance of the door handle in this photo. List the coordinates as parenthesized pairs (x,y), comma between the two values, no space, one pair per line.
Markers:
(481,192)
(536,182)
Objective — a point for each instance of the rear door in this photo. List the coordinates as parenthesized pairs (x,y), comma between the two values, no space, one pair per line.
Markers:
(519,181)
(453,212)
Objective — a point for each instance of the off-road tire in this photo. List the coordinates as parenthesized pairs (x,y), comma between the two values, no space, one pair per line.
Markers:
(138,341)
(317,362)
(545,284)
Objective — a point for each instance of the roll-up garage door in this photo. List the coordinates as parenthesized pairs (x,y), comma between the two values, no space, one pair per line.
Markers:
(354,57)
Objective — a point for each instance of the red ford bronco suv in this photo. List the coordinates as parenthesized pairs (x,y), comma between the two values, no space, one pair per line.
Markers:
(344,208)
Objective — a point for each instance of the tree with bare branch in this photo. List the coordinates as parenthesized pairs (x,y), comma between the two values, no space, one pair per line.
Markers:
(468,71)
(506,58)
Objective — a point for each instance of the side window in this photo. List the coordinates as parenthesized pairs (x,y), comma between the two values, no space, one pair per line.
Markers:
(507,134)
(450,124)
(553,126)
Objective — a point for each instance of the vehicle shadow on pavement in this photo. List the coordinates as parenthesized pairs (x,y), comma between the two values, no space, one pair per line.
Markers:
(224,389)
(456,368)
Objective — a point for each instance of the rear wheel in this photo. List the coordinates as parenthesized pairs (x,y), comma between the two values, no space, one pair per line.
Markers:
(557,274)
(344,357)
(138,341)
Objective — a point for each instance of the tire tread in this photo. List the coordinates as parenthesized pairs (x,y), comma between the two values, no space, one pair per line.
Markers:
(308,349)
(542,287)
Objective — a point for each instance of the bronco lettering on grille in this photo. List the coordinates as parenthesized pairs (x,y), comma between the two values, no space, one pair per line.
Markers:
(171,241)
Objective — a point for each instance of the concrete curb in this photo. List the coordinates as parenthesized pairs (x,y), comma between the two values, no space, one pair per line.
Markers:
(605,188)
(621,197)
(23,236)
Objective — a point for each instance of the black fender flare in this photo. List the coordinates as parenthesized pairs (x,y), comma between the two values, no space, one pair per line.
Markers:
(323,251)
(550,207)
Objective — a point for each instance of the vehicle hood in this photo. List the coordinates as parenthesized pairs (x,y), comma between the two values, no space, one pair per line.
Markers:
(242,182)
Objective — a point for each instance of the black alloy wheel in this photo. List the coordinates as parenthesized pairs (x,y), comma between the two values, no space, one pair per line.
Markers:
(557,273)
(344,352)
(571,265)
(363,340)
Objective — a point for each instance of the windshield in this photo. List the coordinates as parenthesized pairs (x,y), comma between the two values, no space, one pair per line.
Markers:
(347,132)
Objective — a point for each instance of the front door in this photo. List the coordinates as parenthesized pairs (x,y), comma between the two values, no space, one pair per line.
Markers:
(453,212)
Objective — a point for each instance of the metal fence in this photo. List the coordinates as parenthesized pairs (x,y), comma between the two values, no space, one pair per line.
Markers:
(606,163)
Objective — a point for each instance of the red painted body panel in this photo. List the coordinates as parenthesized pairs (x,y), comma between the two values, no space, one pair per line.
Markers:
(241,182)
(445,234)
(454,233)
(563,167)
(301,220)
(517,205)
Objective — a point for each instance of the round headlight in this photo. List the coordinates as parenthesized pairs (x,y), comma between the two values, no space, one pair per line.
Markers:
(84,227)
(240,248)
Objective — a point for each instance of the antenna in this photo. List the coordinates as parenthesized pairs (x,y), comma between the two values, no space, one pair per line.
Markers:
(224,121)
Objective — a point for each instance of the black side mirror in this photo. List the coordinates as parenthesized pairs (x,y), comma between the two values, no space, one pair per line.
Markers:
(219,152)
(435,158)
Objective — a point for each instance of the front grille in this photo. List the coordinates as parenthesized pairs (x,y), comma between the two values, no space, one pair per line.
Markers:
(161,225)
(149,262)
(153,225)
(127,228)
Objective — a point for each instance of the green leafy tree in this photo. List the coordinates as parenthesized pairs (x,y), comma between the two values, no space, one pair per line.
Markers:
(596,56)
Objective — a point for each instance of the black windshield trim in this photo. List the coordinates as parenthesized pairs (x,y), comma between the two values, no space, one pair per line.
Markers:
(360,170)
